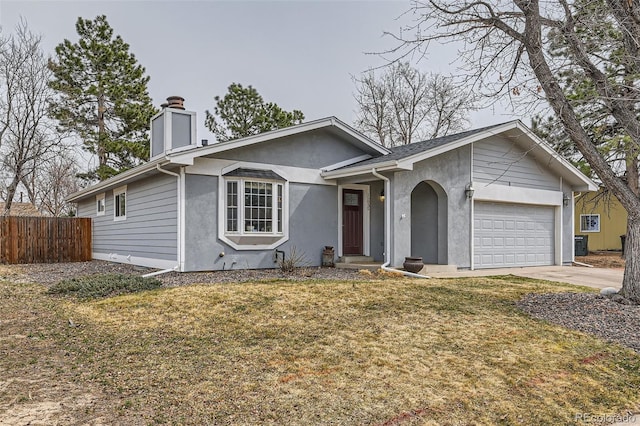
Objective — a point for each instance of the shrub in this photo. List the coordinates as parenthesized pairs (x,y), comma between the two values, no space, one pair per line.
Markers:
(295,260)
(106,285)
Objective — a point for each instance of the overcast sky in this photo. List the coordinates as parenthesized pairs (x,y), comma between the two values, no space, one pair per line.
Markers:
(298,54)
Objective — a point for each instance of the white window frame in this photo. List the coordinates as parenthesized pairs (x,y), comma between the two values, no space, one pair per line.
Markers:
(116,193)
(272,239)
(597,216)
(100,201)
(240,206)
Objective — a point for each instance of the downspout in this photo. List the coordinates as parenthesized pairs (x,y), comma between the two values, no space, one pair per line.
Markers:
(164,271)
(179,266)
(387,229)
(472,212)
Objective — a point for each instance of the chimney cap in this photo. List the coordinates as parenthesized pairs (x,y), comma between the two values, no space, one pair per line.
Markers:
(176,102)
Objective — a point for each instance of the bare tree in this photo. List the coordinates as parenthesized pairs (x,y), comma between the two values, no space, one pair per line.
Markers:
(404,105)
(28,135)
(53,181)
(511,49)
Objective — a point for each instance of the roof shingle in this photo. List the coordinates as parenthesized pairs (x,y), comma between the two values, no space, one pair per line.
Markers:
(404,151)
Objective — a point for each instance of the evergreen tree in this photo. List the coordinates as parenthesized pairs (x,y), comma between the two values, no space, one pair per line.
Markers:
(242,112)
(103,97)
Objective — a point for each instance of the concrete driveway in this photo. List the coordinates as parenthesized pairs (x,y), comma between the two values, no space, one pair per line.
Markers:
(590,277)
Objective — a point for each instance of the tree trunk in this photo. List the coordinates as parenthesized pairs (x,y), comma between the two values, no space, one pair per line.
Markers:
(631,281)
(101,151)
(11,192)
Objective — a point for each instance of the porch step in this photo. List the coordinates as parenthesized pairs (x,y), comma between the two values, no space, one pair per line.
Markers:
(355,259)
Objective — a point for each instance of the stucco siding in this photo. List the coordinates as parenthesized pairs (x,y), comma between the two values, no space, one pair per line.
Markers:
(150,228)
(500,161)
(376,247)
(310,150)
(449,172)
(312,225)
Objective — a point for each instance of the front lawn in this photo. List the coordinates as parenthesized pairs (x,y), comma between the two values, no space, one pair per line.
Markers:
(383,352)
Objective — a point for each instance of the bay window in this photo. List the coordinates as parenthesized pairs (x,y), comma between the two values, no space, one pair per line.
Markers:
(254,207)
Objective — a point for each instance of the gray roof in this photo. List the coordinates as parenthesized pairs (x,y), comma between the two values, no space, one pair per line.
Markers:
(404,151)
(254,173)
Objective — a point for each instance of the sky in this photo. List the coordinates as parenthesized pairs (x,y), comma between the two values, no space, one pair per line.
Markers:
(298,54)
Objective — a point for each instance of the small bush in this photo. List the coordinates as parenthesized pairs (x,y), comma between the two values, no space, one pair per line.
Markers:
(296,259)
(107,285)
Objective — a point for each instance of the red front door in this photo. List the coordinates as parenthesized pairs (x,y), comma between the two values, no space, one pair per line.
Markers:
(352,222)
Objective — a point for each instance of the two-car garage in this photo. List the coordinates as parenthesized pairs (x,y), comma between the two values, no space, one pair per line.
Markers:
(507,235)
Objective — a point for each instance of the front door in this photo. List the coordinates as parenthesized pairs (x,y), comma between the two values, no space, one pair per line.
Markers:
(352,223)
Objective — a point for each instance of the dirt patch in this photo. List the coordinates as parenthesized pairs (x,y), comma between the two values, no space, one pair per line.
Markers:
(605,259)
(50,412)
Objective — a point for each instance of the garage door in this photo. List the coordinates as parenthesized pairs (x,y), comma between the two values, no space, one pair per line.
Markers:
(513,235)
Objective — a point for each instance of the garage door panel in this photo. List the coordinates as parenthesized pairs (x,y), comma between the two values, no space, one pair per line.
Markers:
(513,235)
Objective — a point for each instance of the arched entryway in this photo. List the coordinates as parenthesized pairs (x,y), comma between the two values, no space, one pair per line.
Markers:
(429,233)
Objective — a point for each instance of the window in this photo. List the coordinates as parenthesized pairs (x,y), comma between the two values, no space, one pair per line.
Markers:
(120,203)
(232,206)
(589,223)
(254,207)
(100,205)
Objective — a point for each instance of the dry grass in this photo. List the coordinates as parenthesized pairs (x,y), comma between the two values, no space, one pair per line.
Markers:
(603,259)
(388,352)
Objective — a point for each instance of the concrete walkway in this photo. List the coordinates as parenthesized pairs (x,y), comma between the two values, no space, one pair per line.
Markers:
(590,277)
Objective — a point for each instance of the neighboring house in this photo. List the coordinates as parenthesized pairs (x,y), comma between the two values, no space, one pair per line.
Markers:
(601,217)
(21,209)
(485,198)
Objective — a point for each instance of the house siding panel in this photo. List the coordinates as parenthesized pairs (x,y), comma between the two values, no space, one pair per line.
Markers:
(501,161)
(451,172)
(312,225)
(150,229)
(313,150)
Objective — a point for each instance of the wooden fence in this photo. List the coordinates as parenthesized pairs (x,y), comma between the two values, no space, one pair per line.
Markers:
(44,239)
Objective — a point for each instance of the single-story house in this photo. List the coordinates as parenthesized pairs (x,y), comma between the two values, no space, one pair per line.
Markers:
(600,216)
(491,197)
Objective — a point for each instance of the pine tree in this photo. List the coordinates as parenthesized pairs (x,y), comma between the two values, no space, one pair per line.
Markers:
(243,112)
(103,97)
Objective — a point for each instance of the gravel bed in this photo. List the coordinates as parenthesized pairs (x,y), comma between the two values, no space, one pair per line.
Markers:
(51,273)
(587,312)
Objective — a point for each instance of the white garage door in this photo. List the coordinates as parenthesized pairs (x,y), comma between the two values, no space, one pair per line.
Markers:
(513,235)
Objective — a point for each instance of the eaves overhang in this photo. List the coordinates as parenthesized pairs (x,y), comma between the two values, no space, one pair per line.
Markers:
(393,165)
(120,179)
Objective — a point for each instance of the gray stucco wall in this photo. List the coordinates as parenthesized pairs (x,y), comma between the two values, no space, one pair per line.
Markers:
(501,161)
(312,225)
(310,150)
(376,248)
(150,229)
(451,171)
(567,228)
(424,223)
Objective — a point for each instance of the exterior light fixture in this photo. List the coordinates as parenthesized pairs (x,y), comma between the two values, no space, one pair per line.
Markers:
(565,200)
(469,191)
(382,196)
